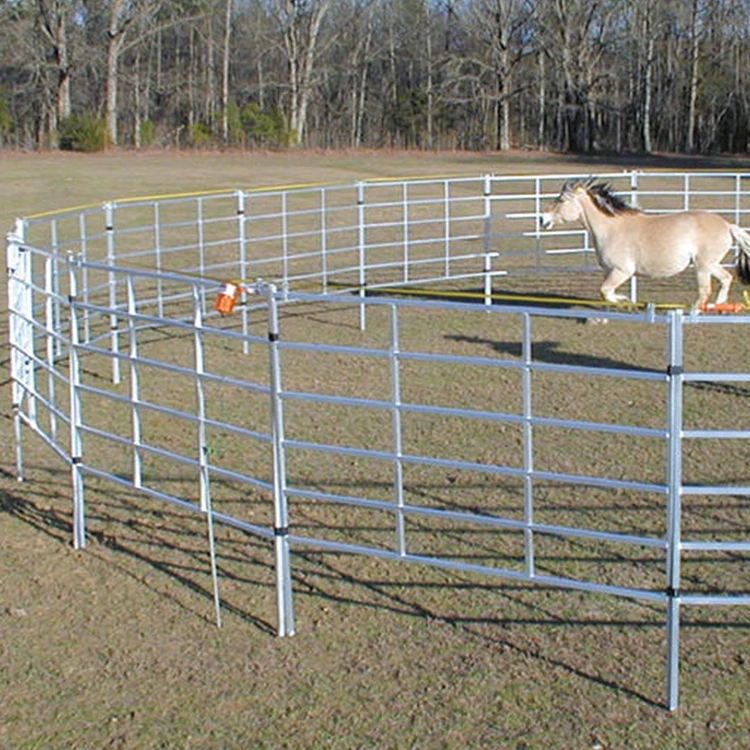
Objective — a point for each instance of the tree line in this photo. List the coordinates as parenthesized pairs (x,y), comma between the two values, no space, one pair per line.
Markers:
(570,75)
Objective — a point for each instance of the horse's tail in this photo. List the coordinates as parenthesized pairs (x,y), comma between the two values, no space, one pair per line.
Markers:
(742,238)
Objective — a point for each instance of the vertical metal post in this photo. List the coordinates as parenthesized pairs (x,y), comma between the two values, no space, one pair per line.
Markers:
(113,319)
(447,228)
(487,215)
(538,214)
(528,447)
(324,239)
(243,267)
(76,420)
(361,245)
(737,199)
(284,602)
(135,388)
(201,248)
(200,396)
(21,268)
(674,502)
(398,466)
(634,186)
(634,289)
(17,267)
(487,271)
(634,200)
(203,446)
(158,260)
(50,315)
(406,239)
(53,299)
(85,275)
(284,241)
(686,193)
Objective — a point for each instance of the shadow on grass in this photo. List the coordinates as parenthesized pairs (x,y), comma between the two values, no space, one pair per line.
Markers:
(163,540)
(394,596)
(550,353)
(401,604)
(148,538)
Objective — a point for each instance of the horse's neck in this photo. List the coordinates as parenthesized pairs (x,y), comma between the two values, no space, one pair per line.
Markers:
(597,223)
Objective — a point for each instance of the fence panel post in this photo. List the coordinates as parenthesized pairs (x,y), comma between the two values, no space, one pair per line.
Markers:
(361,245)
(113,319)
(634,201)
(405,224)
(528,448)
(243,266)
(51,327)
(203,447)
(398,465)
(674,502)
(135,388)
(284,602)
(18,264)
(76,442)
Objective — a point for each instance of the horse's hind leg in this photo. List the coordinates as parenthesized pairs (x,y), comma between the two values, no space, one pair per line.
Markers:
(724,278)
(615,278)
(704,284)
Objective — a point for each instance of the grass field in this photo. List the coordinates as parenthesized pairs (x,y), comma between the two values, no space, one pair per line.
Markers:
(115,646)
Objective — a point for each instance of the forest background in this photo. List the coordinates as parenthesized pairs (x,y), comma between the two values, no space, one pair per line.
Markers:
(563,75)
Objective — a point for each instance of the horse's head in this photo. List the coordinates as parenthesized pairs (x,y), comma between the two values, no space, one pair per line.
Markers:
(566,207)
(569,205)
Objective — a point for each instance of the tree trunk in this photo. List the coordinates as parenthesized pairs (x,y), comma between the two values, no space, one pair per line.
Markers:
(53,23)
(430,96)
(115,38)
(137,121)
(541,106)
(647,84)
(225,72)
(301,40)
(693,96)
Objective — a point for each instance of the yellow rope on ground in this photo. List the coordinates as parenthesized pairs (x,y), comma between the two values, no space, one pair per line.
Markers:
(532,299)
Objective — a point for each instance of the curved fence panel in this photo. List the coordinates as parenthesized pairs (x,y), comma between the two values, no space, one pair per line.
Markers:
(510,440)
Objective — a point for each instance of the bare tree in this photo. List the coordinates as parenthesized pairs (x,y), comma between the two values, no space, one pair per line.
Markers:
(300,23)
(577,33)
(54,18)
(694,58)
(121,17)
(500,32)
(226,49)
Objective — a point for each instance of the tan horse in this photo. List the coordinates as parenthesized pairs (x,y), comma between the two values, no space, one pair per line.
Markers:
(630,242)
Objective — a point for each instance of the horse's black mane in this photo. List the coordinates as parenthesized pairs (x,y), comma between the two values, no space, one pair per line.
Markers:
(603,196)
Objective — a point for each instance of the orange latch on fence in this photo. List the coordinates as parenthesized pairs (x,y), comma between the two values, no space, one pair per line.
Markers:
(229,293)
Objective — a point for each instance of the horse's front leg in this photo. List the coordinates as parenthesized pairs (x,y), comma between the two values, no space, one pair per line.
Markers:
(615,278)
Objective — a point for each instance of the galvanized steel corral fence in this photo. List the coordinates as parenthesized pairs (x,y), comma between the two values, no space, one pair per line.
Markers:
(317,414)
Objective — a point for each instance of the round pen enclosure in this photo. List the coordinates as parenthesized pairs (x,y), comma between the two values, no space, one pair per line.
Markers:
(399,369)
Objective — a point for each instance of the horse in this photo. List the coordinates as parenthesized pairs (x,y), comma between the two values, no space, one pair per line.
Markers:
(630,242)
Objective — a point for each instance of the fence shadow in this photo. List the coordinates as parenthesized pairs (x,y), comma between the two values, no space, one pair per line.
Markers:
(550,353)
(157,535)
